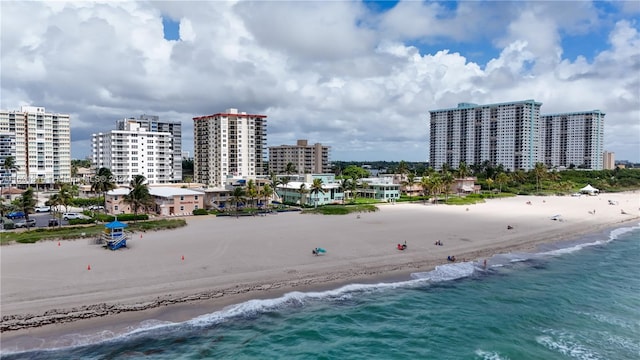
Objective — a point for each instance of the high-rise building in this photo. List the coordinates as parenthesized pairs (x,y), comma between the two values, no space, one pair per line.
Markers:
(505,133)
(573,139)
(42,145)
(516,136)
(153,123)
(307,159)
(608,160)
(135,151)
(7,148)
(230,143)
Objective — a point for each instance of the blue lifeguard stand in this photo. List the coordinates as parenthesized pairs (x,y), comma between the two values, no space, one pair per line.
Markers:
(114,235)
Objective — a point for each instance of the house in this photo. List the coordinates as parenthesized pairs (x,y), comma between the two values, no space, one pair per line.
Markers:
(168,201)
(10,194)
(291,191)
(465,185)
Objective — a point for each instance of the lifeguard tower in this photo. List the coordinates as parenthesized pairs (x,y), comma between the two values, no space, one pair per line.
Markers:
(114,235)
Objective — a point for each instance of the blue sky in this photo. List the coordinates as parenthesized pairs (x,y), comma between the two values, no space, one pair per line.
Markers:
(358,76)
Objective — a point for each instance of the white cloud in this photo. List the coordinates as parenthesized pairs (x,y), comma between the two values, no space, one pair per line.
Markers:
(330,72)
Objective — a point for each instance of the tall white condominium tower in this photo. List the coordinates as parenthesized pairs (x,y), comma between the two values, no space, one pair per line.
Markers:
(574,139)
(306,158)
(505,133)
(135,151)
(230,143)
(152,123)
(42,145)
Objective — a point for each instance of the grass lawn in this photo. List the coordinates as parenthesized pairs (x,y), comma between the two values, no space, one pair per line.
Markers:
(341,209)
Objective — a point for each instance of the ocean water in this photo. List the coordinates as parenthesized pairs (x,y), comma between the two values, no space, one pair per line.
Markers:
(574,300)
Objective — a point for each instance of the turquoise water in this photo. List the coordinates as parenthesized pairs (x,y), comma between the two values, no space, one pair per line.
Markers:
(575,300)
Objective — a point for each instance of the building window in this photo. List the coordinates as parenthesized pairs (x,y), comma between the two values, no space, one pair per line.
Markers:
(181,207)
(181,198)
(115,207)
(196,197)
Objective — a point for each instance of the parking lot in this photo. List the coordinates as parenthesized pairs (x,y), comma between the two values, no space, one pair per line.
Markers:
(42,219)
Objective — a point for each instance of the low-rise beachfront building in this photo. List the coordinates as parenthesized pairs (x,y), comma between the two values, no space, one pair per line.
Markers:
(465,185)
(168,201)
(379,188)
(299,192)
(11,193)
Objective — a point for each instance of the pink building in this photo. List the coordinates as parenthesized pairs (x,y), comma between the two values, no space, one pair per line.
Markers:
(167,201)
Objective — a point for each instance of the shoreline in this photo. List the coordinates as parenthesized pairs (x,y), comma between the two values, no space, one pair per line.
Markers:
(206,295)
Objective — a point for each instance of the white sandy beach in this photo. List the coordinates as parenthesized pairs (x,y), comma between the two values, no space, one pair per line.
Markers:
(227,259)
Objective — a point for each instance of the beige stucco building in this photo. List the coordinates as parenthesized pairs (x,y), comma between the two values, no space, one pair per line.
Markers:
(307,159)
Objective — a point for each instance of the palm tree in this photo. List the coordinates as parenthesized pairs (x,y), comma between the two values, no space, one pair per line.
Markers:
(65,195)
(284,182)
(266,192)
(344,186)
(274,182)
(490,182)
(11,166)
(54,202)
(435,186)
(463,170)
(316,188)
(26,203)
(540,172)
(302,191)
(138,196)
(252,191)
(290,169)
(237,197)
(447,181)
(408,184)
(353,189)
(102,183)
(502,179)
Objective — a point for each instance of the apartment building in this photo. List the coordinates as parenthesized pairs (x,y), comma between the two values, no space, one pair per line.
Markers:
(7,148)
(608,160)
(42,142)
(307,159)
(504,133)
(231,143)
(153,123)
(573,139)
(135,151)
(517,136)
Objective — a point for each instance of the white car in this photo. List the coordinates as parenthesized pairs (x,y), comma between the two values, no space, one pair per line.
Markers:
(42,209)
(71,215)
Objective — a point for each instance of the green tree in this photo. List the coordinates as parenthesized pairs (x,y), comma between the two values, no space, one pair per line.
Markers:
(490,182)
(238,197)
(66,194)
(290,169)
(316,188)
(10,166)
(266,192)
(355,172)
(303,191)
(102,183)
(138,196)
(26,203)
(463,170)
(344,187)
(502,179)
(252,191)
(402,169)
(540,173)
(447,180)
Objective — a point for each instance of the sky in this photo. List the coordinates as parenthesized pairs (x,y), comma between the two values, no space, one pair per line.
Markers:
(359,76)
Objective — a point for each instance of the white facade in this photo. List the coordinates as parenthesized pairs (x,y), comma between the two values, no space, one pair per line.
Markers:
(308,159)
(230,143)
(505,133)
(135,151)
(153,123)
(7,148)
(42,145)
(574,139)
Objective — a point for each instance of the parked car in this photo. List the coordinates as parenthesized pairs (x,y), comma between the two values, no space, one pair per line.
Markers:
(43,209)
(73,215)
(25,223)
(96,207)
(69,216)
(53,222)
(15,215)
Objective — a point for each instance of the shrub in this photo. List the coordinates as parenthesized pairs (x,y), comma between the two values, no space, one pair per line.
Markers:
(81,221)
(200,212)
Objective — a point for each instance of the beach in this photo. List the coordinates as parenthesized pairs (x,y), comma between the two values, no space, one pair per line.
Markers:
(217,261)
